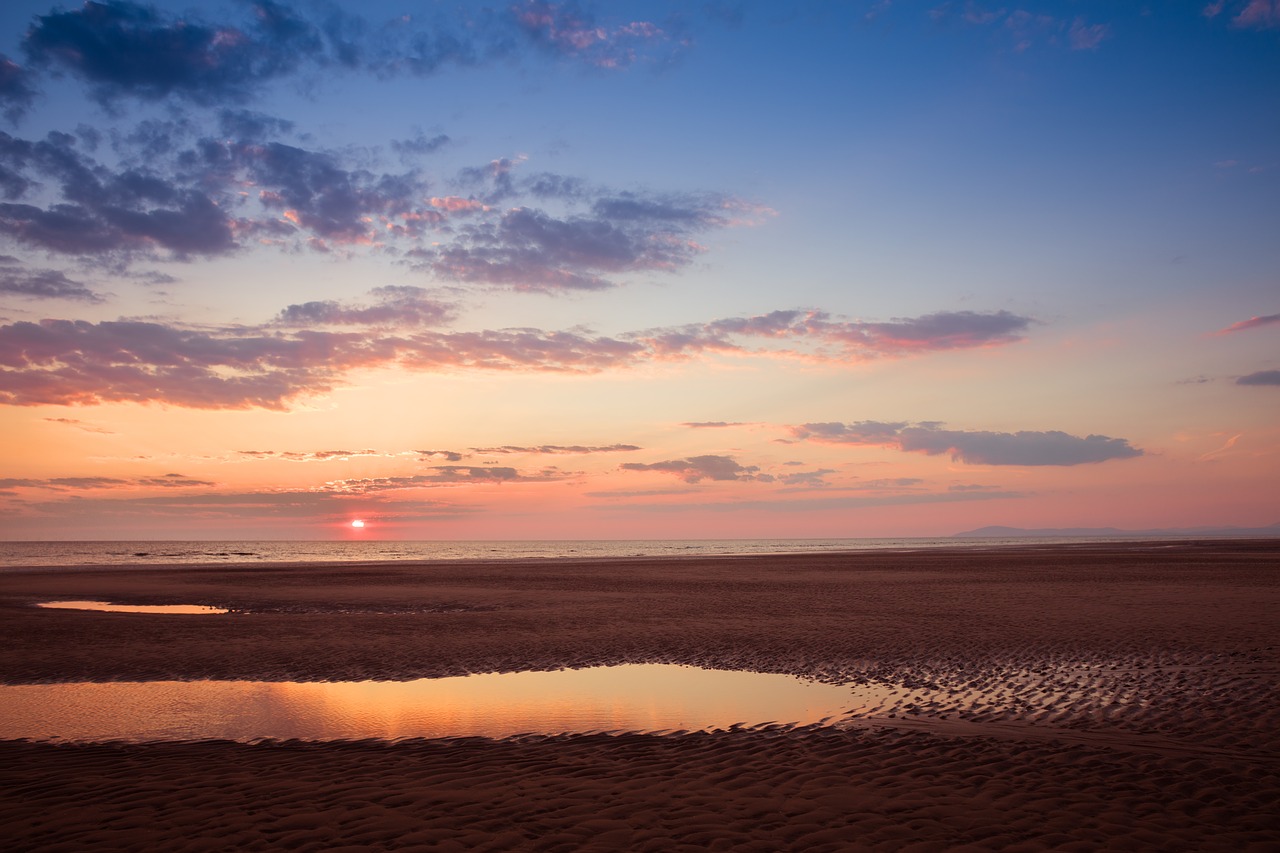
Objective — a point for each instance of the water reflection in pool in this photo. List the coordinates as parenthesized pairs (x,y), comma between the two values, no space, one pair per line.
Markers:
(109,607)
(639,697)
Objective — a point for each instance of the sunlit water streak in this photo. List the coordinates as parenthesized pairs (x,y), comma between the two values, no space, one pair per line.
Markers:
(634,697)
(154,609)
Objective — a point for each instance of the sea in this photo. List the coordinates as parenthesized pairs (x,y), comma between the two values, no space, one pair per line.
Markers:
(71,554)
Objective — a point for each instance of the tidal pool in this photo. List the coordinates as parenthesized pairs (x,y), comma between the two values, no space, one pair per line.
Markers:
(160,609)
(633,697)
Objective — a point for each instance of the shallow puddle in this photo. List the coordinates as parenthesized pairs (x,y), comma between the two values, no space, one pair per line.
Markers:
(160,609)
(636,697)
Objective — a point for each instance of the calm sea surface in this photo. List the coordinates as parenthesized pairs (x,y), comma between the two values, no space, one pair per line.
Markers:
(17,555)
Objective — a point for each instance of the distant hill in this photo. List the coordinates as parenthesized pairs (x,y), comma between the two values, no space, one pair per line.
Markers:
(997,531)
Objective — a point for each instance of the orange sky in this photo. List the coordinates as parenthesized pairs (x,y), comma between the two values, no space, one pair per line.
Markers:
(633,271)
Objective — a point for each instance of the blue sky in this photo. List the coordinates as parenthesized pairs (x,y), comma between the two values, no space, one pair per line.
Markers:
(242,240)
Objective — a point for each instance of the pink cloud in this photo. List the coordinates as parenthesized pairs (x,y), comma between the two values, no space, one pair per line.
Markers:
(64,362)
(1251,323)
(1084,36)
(1259,15)
(570,32)
(456,204)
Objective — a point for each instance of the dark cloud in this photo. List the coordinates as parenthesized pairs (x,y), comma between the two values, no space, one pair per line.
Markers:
(123,48)
(43,284)
(698,468)
(103,211)
(554,449)
(1262,377)
(176,194)
(189,200)
(126,49)
(975,447)
(17,89)
(313,191)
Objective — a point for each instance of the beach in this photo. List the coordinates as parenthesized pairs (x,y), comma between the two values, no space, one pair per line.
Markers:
(1118,696)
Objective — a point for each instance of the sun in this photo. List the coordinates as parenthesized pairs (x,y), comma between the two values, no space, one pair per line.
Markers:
(358,523)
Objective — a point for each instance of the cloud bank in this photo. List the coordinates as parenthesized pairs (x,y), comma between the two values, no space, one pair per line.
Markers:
(70,362)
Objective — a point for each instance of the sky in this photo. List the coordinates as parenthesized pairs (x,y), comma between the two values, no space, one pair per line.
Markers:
(637,270)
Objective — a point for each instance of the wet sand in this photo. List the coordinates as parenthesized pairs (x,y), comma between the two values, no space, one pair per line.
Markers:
(1083,697)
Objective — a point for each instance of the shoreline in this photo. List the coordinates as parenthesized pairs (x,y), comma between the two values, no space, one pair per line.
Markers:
(1106,695)
(959,544)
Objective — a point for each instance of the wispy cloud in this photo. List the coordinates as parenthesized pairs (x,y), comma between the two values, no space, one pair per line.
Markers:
(81,425)
(446,475)
(247,508)
(698,468)
(1024,28)
(63,484)
(308,455)
(1085,36)
(569,31)
(554,449)
(974,447)
(1251,323)
(1259,15)
(65,362)
(526,248)
(16,280)
(394,306)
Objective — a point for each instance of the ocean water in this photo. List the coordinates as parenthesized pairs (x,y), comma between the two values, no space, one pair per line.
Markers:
(19,555)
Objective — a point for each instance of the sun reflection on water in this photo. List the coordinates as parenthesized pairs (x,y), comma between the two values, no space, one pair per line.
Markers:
(638,697)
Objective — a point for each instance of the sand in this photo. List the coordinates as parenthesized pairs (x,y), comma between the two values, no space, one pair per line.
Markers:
(1119,696)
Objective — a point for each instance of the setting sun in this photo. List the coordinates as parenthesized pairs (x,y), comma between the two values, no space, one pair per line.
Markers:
(357,523)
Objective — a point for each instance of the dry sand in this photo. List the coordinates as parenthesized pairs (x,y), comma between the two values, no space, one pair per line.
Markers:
(1084,697)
